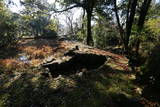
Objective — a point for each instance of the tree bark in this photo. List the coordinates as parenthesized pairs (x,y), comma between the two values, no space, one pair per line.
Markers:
(143,13)
(89,9)
(89,31)
(121,30)
(129,22)
(83,23)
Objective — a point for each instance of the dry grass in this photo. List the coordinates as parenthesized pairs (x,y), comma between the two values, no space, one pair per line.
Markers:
(11,64)
(37,50)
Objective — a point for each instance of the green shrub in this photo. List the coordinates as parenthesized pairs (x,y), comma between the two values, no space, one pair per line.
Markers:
(150,76)
(7,36)
(105,36)
(7,27)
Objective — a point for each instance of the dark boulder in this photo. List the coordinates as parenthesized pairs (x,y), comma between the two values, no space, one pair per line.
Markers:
(76,62)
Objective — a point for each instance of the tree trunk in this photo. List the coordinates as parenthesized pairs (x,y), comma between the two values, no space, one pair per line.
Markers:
(83,24)
(71,28)
(130,18)
(121,30)
(89,31)
(143,13)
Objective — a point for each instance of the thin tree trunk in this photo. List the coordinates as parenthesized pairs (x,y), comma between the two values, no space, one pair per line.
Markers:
(89,31)
(71,27)
(83,23)
(121,30)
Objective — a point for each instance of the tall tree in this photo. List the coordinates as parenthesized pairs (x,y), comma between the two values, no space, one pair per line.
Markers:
(143,13)
(38,16)
(8,28)
(130,13)
(88,6)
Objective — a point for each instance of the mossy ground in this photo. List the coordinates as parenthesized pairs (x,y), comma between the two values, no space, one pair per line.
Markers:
(94,89)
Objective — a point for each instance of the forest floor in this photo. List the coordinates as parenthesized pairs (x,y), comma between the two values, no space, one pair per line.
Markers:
(22,83)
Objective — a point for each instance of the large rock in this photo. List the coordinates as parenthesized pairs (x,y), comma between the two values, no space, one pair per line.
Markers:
(70,64)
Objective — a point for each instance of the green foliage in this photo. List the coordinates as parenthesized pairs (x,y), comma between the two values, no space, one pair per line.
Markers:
(51,28)
(154,11)
(150,32)
(53,25)
(150,74)
(36,19)
(82,32)
(154,26)
(7,27)
(104,33)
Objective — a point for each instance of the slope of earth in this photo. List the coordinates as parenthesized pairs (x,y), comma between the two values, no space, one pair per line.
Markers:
(23,83)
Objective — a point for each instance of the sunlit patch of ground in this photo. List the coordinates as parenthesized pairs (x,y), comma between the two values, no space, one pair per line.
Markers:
(32,52)
(9,65)
(29,53)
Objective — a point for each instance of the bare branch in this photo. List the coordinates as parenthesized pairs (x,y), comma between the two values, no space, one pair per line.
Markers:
(118,20)
(69,8)
(76,4)
(79,4)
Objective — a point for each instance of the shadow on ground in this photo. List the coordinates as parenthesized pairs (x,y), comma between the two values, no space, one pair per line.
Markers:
(8,52)
(105,87)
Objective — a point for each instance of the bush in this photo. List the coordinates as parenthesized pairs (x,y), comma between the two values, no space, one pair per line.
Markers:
(150,76)
(49,33)
(105,36)
(7,36)
(7,28)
